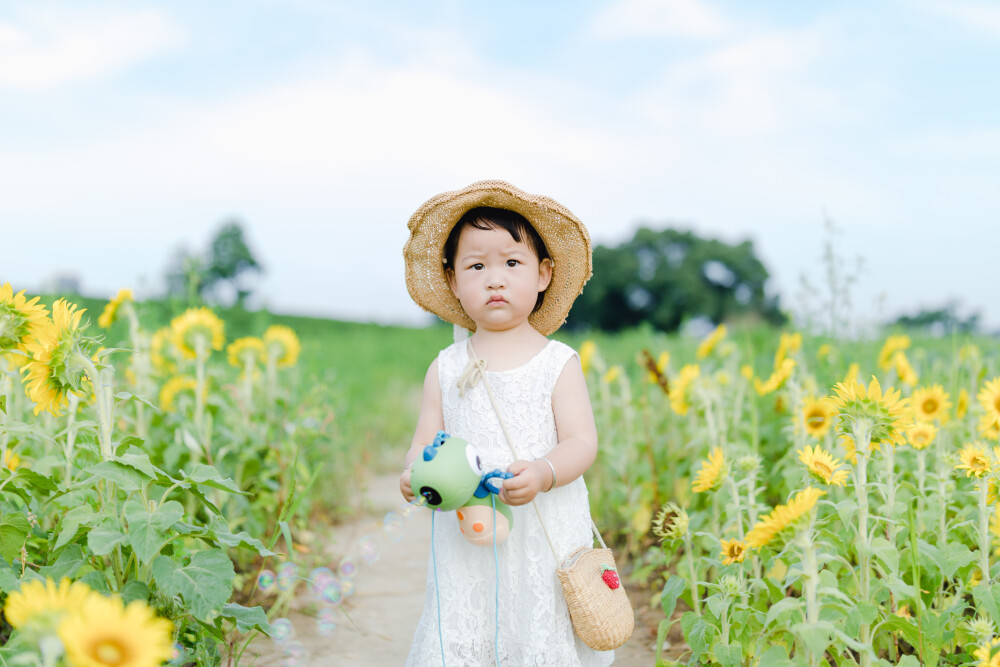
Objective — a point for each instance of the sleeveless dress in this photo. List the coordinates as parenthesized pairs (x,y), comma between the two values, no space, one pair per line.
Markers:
(534,623)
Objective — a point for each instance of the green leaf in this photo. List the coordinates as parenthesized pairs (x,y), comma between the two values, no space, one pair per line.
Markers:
(206,475)
(949,557)
(103,539)
(287,532)
(67,563)
(988,597)
(97,580)
(71,522)
(244,618)
(220,527)
(125,396)
(134,590)
(697,633)
(148,531)
(14,529)
(205,583)
(776,656)
(782,609)
(124,476)
(816,636)
(672,589)
(3,403)
(886,553)
(8,579)
(128,442)
(34,479)
(728,656)
(141,463)
(908,661)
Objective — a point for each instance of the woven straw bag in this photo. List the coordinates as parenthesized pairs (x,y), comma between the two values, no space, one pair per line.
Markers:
(602,615)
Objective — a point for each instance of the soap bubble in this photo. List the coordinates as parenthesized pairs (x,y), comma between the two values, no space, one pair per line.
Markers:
(332,592)
(294,652)
(266,581)
(348,567)
(347,588)
(370,550)
(392,526)
(287,573)
(281,630)
(320,577)
(326,621)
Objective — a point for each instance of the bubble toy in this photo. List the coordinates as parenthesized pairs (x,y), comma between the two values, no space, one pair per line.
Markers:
(281,630)
(326,622)
(449,475)
(369,549)
(266,581)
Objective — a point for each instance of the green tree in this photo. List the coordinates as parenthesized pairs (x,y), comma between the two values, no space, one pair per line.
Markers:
(193,278)
(665,277)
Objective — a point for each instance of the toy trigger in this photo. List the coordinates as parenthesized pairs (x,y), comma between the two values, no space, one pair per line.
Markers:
(430,451)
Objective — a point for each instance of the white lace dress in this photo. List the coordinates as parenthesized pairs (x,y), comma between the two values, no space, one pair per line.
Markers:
(534,624)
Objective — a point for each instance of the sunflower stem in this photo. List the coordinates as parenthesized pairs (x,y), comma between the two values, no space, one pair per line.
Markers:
(695,595)
(921,483)
(984,531)
(6,386)
(71,430)
(861,430)
(810,574)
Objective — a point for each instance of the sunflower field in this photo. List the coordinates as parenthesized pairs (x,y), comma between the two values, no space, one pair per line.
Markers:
(144,486)
(799,501)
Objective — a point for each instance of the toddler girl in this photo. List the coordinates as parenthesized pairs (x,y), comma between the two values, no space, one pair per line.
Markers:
(507,266)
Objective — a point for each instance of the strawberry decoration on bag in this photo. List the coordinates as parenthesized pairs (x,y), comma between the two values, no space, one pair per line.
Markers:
(610,577)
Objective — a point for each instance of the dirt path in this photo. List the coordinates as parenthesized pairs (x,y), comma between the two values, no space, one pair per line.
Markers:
(388,598)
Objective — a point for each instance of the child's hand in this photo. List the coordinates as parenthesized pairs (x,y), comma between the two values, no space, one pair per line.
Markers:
(404,486)
(530,478)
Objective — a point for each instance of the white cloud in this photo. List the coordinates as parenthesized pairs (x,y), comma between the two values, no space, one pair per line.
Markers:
(977,16)
(44,48)
(625,19)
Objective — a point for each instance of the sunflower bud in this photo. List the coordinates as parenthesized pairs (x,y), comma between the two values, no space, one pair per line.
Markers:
(671,523)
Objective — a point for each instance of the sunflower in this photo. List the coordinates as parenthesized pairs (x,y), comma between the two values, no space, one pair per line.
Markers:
(989,398)
(11,460)
(110,313)
(20,320)
(884,415)
(921,434)
(850,449)
(930,403)
(671,523)
(823,466)
(988,654)
(56,367)
(777,378)
(587,350)
(247,351)
(989,428)
(824,351)
(45,601)
(196,324)
(893,344)
(106,633)
(817,415)
(712,472)
(174,386)
(733,551)
(782,517)
(746,371)
(655,368)
(975,460)
(787,344)
(283,342)
(679,390)
(904,370)
(611,375)
(853,374)
(707,345)
(963,403)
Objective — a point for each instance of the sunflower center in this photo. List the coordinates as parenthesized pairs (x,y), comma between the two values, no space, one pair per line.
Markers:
(816,419)
(996,402)
(110,652)
(979,463)
(823,468)
(930,406)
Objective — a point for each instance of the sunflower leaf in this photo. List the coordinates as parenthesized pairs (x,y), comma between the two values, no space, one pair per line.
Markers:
(244,618)
(206,475)
(205,583)
(148,531)
(67,563)
(14,529)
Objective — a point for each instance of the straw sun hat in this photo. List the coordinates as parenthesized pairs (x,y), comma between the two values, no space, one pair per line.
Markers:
(564,235)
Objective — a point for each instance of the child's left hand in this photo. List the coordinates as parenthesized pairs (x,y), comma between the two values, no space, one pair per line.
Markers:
(530,477)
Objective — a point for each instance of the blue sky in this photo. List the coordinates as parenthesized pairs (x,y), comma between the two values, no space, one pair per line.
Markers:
(130,129)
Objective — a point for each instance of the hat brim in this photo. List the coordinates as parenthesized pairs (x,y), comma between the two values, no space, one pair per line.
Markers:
(565,238)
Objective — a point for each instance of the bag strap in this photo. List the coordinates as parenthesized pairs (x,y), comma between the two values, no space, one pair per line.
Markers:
(476,370)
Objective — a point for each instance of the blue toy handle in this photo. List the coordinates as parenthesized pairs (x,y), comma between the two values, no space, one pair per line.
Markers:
(487,487)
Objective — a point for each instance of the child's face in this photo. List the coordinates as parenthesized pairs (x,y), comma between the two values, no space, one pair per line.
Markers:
(497,279)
